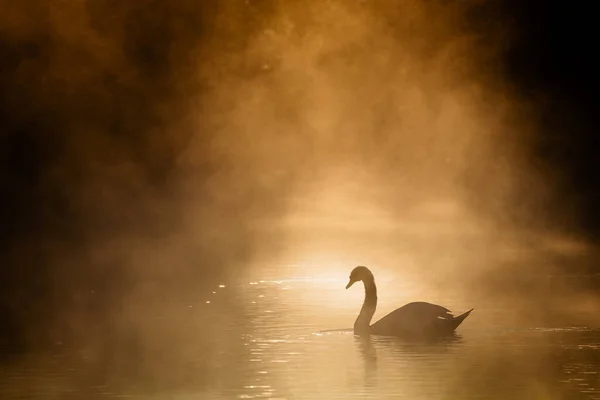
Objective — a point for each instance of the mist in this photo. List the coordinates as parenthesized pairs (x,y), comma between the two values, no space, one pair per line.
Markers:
(159,150)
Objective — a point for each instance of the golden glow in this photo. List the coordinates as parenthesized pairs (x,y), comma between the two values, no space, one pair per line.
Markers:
(270,147)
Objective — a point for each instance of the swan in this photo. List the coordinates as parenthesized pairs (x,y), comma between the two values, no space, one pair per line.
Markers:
(413,319)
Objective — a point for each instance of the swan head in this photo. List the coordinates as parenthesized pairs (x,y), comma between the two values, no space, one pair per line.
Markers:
(359,273)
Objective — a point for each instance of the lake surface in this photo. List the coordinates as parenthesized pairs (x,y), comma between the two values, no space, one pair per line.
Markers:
(261,338)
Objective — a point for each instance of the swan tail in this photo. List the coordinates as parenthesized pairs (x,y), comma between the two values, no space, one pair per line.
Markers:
(458,320)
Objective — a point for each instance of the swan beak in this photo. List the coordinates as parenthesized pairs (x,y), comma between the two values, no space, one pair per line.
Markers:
(350,284)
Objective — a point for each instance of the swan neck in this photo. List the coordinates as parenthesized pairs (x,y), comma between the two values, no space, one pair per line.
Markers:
(368,308)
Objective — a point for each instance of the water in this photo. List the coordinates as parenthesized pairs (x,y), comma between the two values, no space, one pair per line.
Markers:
(261,338)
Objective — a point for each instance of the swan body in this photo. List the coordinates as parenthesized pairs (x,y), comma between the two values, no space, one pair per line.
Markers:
(413,319)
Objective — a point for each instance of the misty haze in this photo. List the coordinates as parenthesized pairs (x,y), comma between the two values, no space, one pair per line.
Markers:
(188,185)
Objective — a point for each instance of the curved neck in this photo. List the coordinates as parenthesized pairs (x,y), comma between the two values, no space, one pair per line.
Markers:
(361,325)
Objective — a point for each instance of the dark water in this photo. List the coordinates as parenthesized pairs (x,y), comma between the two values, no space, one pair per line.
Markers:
(261,339)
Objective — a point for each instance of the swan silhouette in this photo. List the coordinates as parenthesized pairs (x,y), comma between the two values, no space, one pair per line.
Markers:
(418,319)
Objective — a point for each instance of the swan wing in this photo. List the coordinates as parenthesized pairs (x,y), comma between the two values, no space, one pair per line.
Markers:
(411,318)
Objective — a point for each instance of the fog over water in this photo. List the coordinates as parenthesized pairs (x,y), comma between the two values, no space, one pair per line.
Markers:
(160,150)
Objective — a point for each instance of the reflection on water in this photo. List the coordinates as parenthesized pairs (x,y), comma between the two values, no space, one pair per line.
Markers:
(263,339)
